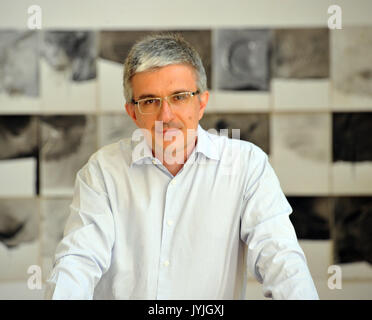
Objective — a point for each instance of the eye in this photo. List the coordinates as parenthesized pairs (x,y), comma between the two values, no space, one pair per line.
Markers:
(179,97)
(150,101)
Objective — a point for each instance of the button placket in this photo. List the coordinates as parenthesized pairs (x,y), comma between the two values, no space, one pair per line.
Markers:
(165,244)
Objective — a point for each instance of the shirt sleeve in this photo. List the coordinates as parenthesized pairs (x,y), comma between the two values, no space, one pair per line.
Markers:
(274,256)
(84,254)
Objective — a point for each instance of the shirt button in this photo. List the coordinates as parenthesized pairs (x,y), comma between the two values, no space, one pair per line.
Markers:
(170,222)
(166,263)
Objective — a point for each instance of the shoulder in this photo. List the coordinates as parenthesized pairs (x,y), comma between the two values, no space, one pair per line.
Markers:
(113,155)
(247,151)
(106,162)
(117,151)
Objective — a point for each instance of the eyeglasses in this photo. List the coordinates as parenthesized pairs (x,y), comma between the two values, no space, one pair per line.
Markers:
(176,100)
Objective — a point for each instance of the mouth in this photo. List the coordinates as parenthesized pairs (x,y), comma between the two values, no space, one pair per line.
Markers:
(168,130)
(171,130)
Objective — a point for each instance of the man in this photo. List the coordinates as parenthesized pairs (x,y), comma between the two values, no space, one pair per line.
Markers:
(169,216)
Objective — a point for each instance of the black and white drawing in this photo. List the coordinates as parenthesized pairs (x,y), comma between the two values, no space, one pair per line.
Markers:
(352,136)
(112,128)
(18,136)
(300,53)
(307,135)
(68,71)
(19,156)
(311,217)
(19,63)
(351,67)
(352,155)
(54,215)
(67,144)
(254,127)
(241,59)
(19,221)
(301,152)
(71,50)
(352,229)
(19,237)
(115,45)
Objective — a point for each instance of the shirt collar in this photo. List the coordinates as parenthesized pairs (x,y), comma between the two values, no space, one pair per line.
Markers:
(205,145)
(140,150)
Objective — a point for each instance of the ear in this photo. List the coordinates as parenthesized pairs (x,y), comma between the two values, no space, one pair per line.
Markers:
(203,98)
(131,111)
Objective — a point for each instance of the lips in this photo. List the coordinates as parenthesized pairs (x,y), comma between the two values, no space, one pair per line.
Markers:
(171,130)
(168,130)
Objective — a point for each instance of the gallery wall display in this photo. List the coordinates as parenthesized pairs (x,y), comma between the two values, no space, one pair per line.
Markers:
(67,143)
(241,59)
(253,127)
(68,73)
(19,52)
(19,155)
(301,151)
(54,215)
(300,53)
(352,229)
(352,153)
(19,237)
(312,217)
(19,71)
(303,95)
(113,127)
(351,69)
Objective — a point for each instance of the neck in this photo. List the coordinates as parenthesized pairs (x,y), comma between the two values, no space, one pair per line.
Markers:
(177,158)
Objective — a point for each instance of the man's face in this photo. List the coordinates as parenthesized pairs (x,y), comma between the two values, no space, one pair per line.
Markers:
(163,82)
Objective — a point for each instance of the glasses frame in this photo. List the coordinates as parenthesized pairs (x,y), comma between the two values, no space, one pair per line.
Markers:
(191,93)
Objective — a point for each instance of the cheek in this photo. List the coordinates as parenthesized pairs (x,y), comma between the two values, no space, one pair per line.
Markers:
(145,122)
(190,119)
(193,115)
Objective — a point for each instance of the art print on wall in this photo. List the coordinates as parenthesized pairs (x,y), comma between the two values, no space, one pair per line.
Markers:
(67,144)
(19,157)
(19,237)
(241,59)
(252,127)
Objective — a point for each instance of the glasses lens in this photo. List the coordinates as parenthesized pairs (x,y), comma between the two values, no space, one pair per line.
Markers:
(150,105)
(180,99)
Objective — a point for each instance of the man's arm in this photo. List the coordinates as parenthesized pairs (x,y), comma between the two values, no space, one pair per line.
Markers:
(84,254)
(274,256)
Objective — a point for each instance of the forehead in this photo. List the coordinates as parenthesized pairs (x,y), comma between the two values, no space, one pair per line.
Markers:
(164,80)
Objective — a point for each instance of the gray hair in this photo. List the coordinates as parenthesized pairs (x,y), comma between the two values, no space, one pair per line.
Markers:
(160,50)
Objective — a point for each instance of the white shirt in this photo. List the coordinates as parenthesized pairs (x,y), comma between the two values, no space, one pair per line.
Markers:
(137,232)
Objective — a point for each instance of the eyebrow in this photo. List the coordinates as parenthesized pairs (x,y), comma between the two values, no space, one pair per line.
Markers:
(143,96)
(150,95)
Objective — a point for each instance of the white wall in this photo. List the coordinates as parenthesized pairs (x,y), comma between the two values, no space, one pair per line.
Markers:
(98,14)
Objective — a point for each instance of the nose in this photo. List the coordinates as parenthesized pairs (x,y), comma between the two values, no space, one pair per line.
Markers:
(165,112)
